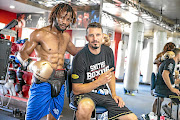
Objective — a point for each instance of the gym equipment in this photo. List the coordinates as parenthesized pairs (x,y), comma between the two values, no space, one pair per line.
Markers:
(21,41)
(12,75)
(21,81)
(2,36)
(16,60)
(18,87)
(6,83)
(12,24)
(13,61)
(159,40)
(18,42)
(148,64)
(5,49)
(120,60)
(14,48)
(135,44)
(17,112)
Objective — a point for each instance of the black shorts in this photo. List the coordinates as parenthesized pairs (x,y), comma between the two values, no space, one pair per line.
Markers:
(105,101)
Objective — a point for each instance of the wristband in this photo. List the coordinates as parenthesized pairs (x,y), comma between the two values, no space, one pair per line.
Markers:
(26,63)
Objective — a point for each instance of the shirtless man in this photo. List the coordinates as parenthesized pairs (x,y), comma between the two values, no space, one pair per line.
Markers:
(50,44)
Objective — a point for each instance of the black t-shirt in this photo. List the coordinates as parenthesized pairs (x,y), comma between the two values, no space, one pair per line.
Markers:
(87,67)
(168,64)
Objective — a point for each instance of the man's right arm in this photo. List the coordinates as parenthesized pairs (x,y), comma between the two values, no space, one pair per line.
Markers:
(28,47)
(166,79)
(80,88)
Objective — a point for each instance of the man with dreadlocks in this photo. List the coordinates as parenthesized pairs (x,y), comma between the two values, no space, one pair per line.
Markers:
(50,44)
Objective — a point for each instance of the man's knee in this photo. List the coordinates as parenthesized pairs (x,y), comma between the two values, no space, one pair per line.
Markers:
(131,116)
(86,106)
(50,117)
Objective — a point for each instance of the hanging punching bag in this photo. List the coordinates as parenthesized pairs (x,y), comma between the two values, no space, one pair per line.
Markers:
(120,59)
(132,73)
(148,63)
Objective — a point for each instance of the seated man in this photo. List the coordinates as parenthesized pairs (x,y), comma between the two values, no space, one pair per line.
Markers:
(165,83)
(93,79)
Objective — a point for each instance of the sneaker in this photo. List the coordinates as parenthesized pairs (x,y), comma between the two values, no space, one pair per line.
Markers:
(126,93)
(132,94)
(167,110)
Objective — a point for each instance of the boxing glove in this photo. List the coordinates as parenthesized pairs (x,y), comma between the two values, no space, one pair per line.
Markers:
(18,41)
(16,60)
(18,88)
(42,70)
(19,75)
(12,75)
(15,65)
(20,78)
(23,41)
(14,48)
(2,36)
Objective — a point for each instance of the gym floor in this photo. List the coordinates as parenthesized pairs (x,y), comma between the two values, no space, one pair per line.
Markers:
(140,104)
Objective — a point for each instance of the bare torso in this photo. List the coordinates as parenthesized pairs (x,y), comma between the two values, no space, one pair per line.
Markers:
(52,47)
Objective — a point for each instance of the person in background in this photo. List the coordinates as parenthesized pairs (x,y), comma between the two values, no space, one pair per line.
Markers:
(159,59)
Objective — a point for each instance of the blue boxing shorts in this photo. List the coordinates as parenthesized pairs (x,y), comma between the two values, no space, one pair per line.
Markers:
(41,103)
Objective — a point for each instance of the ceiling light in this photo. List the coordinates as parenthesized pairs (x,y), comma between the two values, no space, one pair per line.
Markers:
(12,6)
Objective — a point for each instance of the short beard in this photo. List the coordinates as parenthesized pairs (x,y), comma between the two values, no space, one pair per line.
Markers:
(57,26)
(95,47)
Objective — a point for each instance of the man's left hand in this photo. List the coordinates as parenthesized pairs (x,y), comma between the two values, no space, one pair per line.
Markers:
(119,100)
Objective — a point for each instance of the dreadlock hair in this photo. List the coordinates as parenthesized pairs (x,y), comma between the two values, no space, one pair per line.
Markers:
(58,9)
